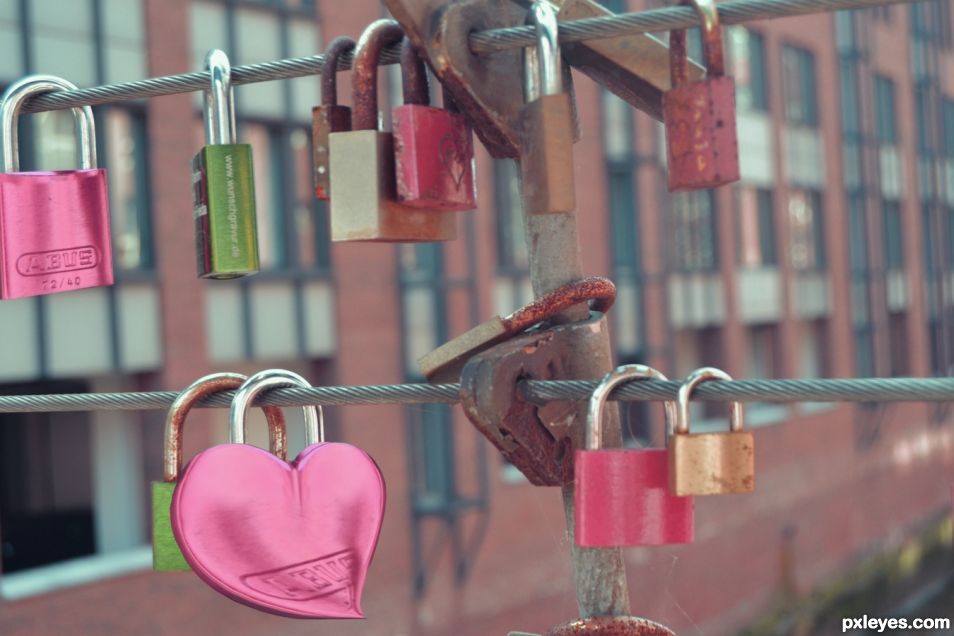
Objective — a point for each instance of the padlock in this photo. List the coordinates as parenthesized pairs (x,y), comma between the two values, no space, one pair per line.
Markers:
(546,152)
(699,117)
(444,364)
(223,185)
(54,225)
(294,539)
(433,147)
(166,555)
(364,204)
(710,463)
(330,116)
(622,495)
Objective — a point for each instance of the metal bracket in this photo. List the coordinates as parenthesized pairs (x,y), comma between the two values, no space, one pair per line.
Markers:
(534,438)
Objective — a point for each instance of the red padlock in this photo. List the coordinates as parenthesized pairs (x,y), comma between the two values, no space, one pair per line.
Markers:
(622,495)
(330,116)
(703,148)
(433,147)
(54,225)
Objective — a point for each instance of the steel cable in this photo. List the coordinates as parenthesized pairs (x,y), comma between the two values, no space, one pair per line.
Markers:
(654,20)
(813,390)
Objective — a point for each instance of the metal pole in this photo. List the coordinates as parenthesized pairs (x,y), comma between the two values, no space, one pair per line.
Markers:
(554,254)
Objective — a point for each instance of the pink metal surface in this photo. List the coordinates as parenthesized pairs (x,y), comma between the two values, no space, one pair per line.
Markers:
(434,158)
(622,498)
(54,232)
(294,539)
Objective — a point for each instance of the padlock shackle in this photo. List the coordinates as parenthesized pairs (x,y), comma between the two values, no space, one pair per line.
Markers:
(12,102)
(329,69)
(204,386)
(364,72)
(263,381)
(414,85)
(601,291)
(542,70)
(218,100)
(694,379)
(711,44)
(593,439)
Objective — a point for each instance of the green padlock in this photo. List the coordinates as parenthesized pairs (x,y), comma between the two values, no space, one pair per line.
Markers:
(166,555)
(223,185)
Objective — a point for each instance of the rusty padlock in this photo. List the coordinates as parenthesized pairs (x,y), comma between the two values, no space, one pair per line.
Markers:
(364,204)
(166,555)
(433,147)
(546,152)
(622,495)
(701,140)
(710,463)
(444,364)
(330,116)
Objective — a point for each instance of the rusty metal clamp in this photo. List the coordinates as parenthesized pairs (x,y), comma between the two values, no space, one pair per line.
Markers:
(444,364)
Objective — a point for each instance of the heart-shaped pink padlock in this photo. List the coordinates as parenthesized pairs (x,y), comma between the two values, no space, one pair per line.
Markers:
(294,539)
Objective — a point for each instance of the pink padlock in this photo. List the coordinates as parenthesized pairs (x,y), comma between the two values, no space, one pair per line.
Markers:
(54,225)
(294,539)
(433,147)
(622,495)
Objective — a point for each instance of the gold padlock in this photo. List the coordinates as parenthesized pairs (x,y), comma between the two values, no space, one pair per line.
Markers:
(710,463)
(364,206)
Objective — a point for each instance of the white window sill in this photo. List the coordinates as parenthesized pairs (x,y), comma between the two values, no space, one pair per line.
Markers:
(97,567)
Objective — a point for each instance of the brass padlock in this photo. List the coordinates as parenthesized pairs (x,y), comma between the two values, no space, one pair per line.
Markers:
(364,203)
(710,463)
(166,555)
(445,363)
(546,152)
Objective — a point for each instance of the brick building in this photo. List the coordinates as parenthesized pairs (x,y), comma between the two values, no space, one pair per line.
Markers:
(833,257)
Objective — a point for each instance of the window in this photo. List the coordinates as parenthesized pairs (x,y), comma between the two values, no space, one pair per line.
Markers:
(762,362)
(897,333)
(806,230)
(46,491)
(885,114)
(747,53)
(857,233)
(756,227)
(798,76)
(621,181)
(127,159)
(850,125)
(512,255)
(947,118)
(893,235)
(949,217)
(292,226)
(693,231)
(813,348)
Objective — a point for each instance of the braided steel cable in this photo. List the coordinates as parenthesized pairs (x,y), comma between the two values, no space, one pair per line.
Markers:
(665,19)
(814,390)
